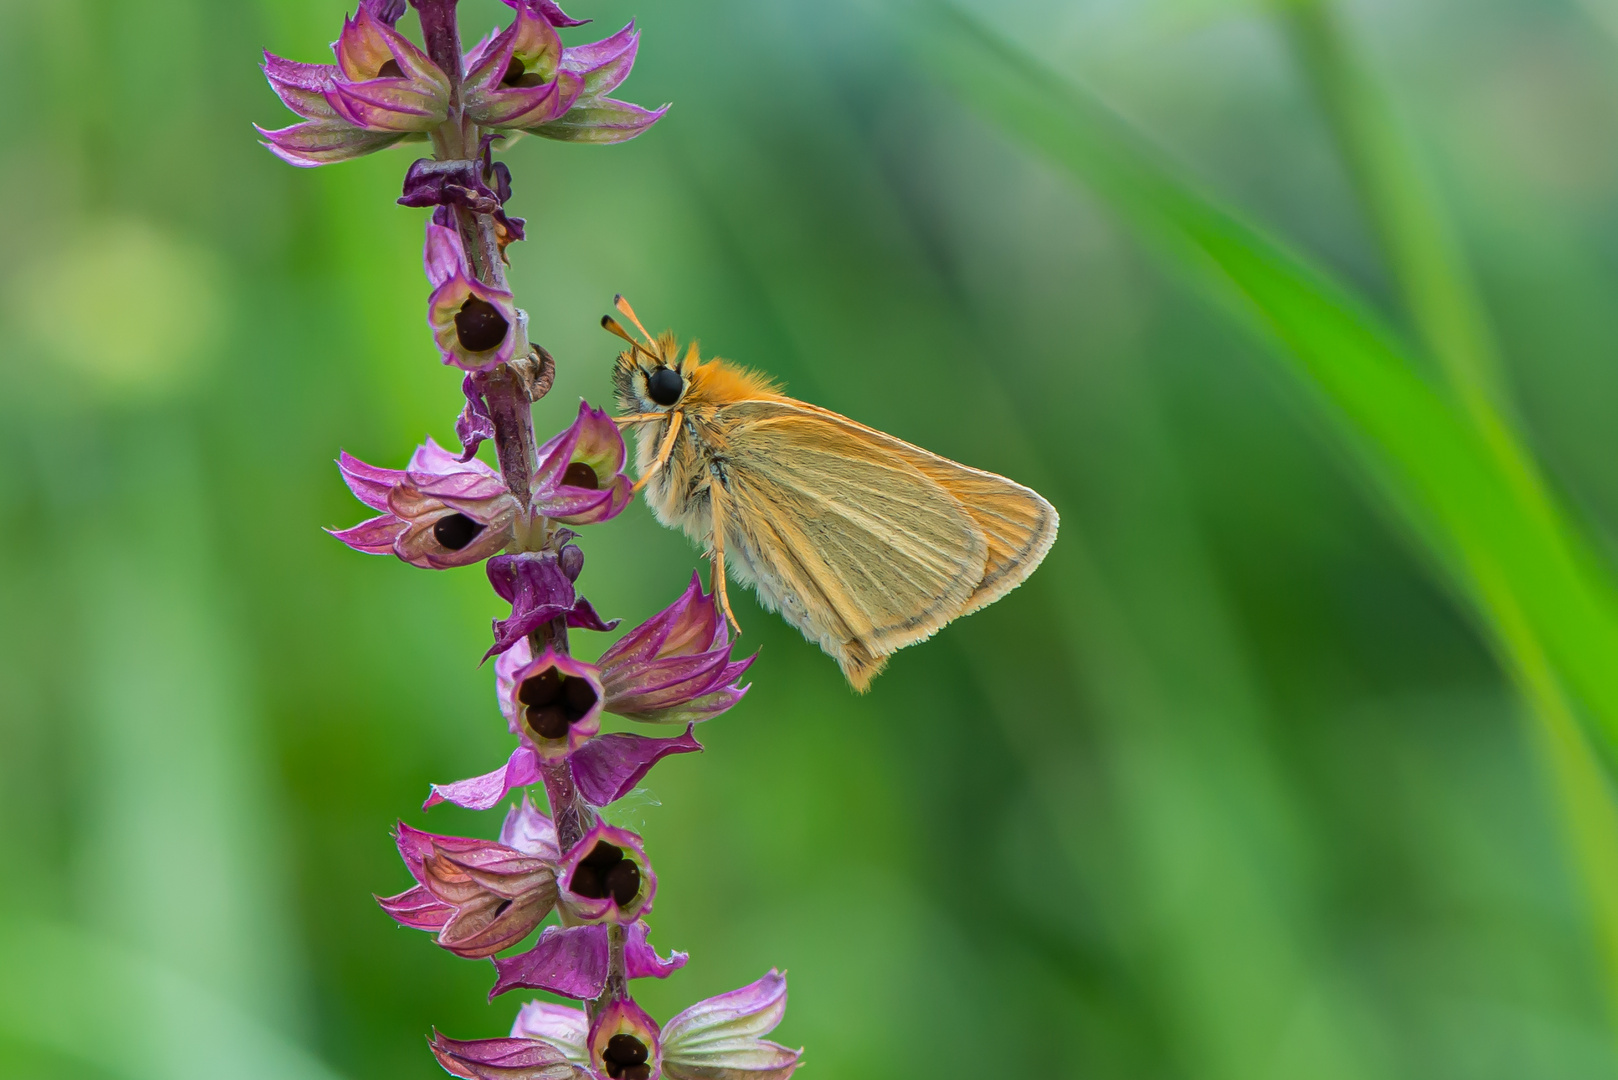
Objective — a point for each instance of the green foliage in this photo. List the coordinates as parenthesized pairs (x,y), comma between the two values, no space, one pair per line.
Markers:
(1234,787)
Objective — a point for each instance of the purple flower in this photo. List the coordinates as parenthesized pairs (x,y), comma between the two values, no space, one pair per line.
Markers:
(382,89)
(675,667)
(606,877)
(548,8)
(594,117)
(624,1043)
(606,767)
(478,895)
(503,1059)
(475,325)
(515,79)
(720,1038)
(523,78)
(540,590)
(438,511)
(572,961)
(552,703)
(580,479)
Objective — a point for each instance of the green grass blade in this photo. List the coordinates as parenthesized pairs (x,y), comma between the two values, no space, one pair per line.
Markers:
(1412,226)
(1409,219)
(1466,488)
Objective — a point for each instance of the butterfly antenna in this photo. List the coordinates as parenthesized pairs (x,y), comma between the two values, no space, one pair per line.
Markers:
(612,325)
(623,307)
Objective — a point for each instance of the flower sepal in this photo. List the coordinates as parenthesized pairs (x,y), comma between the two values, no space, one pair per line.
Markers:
(438,511)
(490,895)
(580,479)
(675,667)
(476,326)
(606,877)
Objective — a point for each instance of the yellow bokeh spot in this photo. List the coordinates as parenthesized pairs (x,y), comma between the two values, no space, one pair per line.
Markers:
(124,305)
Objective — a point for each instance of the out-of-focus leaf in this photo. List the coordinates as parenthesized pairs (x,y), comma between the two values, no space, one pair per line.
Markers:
(93,1001)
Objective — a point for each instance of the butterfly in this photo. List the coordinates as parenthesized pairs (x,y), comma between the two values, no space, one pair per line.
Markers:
(862,541)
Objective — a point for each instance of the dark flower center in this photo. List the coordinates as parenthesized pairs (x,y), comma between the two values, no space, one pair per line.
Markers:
(625,1058)
(581,475)
(456,531)
(390,70)
(555,702)
(479,325)
(606,872)
(517,74)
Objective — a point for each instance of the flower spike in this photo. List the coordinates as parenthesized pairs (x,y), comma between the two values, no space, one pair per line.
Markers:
(481,898)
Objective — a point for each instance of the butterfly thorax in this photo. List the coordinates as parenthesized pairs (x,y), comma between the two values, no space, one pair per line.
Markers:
(678,493)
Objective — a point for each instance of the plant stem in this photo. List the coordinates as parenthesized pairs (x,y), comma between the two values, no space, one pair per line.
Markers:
(511,409)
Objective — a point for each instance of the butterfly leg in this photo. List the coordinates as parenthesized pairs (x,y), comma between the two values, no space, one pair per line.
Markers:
(717,497)
(664,451)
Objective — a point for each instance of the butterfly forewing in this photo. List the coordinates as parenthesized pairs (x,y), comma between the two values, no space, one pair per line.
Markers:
(853,543)
(1018,524)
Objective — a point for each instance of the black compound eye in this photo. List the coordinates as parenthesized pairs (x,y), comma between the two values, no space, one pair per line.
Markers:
(665,386)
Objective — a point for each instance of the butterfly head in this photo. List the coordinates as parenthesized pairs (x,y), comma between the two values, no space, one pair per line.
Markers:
(653,378)
(650,376)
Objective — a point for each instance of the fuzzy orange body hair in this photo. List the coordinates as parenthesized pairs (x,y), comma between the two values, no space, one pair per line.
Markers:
(720,382)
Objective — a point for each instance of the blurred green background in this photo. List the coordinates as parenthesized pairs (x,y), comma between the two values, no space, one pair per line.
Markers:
(1233,788)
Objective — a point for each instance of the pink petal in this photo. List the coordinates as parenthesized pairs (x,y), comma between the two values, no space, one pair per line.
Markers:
(570,961)
(483,792)
(609,766)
